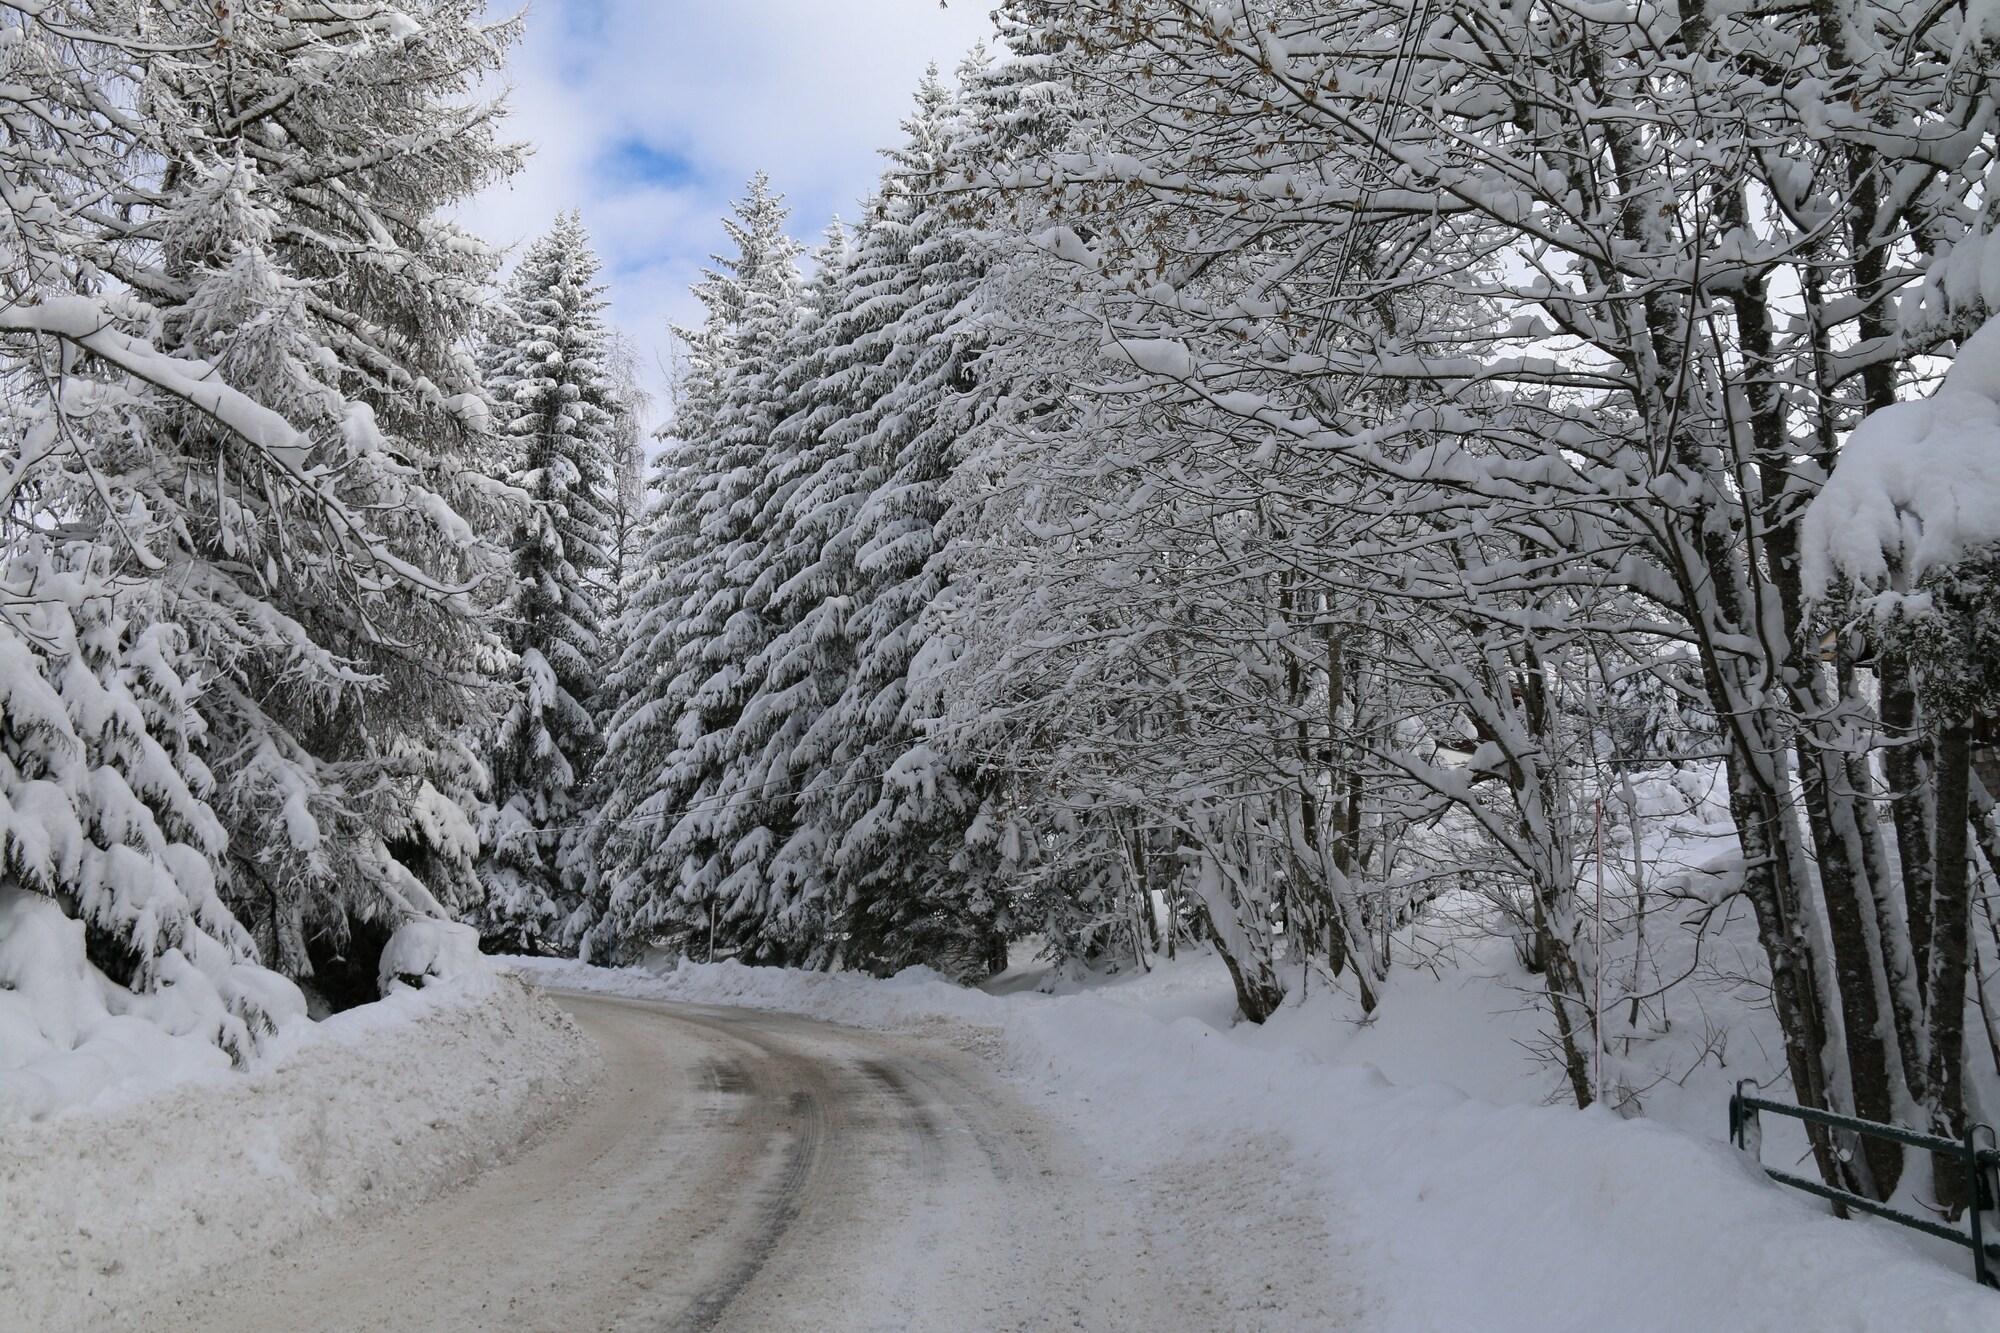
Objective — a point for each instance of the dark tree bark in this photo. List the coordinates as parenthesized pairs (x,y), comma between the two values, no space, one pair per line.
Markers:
(1773,891)
(1830,813)
(1909,801)
(1951,920)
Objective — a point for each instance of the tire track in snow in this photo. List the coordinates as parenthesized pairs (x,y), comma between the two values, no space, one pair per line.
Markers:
(735,1170)
(797,1135)
(926,1150)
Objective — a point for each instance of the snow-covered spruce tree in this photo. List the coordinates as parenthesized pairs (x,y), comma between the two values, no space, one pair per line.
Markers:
(627,499)
(786,640)
(241,459)
(797,764)
(895,803)
(672,686)
(792,761)
(332,583)
(825,826)
(545,366)
(730,820)
(104,809)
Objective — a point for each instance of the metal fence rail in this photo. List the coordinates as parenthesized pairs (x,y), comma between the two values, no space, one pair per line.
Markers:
(1980,1169)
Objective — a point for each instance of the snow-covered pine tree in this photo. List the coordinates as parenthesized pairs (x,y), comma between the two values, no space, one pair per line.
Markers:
(332,586)
(721,835)
(816,609)
(895,804)
(784,637)
(105,814)
(545,366)
(245,412)
(627,498)
(104,800)
(655,871)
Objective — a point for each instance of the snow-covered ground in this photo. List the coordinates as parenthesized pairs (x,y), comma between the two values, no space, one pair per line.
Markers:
(1411,1163)
(170,1180)
(1444,1210)
(757,1172)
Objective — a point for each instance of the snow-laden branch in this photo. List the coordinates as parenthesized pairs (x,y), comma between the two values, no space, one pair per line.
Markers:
(1918,485)
(84,322)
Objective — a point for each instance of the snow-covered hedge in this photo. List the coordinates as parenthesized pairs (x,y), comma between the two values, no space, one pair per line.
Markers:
(376,1107)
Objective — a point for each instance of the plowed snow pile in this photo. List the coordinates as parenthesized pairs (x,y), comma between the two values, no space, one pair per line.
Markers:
(373,1108)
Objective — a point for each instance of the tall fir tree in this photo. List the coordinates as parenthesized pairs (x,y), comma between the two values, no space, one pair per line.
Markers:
(904,817)
(673,686)
(335,595)
(801,808)
(545,366)
(718,837)
(787,635)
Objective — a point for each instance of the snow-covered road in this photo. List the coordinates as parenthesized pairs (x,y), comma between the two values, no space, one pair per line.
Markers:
(746,1170)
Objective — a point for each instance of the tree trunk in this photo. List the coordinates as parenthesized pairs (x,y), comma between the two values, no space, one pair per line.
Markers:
(1892,940)
(1951,921)
(1909,802)
(1336,944)
(1774,897)
(1239,928)
(1565,980)
(1836,835)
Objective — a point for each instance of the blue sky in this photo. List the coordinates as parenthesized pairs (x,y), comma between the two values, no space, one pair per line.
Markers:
(650,115)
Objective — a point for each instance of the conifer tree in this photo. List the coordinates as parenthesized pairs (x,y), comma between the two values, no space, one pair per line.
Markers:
(672,686)
(273,329)
(545,366)
(104,800)
(810,815)
(236,519)
(900,810)
(334,592)
(794,653)
(717,838)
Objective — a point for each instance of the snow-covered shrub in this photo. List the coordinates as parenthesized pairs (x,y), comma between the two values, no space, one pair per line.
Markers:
(422,951)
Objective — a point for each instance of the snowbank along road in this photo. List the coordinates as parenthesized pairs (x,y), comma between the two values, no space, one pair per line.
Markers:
(740,1170)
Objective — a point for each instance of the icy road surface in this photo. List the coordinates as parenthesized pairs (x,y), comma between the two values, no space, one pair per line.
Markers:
(743,1170)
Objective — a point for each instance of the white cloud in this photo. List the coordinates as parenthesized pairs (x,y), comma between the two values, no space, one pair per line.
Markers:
(697,95)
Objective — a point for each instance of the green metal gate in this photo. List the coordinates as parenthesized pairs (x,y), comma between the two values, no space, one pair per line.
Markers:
(1980,1169)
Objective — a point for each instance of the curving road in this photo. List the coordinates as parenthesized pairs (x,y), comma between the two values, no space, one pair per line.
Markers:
(741,1170)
